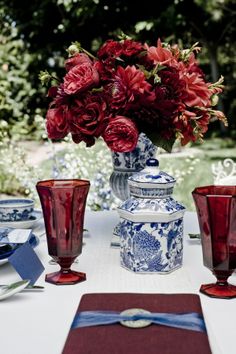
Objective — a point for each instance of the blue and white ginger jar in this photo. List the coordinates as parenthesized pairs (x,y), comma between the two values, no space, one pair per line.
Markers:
(151,223)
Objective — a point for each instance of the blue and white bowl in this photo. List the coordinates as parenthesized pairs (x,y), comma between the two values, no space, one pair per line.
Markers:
(16,209)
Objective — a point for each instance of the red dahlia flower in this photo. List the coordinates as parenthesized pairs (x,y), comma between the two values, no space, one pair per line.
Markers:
(130,88)
(127,86)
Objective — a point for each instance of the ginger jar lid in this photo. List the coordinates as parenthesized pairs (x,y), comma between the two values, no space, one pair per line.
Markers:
(151,210)
(151,182)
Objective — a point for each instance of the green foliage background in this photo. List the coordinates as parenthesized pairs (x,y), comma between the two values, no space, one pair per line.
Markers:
(34,37)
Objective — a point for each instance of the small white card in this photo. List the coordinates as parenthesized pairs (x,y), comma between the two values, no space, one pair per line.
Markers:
(8,235)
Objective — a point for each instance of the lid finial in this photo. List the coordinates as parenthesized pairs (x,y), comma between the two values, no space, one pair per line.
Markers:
(152,162)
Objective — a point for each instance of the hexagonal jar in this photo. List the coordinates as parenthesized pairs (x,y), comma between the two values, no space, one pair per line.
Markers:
(151,223)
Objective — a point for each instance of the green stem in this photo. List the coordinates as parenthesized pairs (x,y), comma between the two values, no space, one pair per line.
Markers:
(88,53)
(54,78)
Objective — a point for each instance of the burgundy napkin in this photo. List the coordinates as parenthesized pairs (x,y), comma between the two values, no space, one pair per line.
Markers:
(155,339)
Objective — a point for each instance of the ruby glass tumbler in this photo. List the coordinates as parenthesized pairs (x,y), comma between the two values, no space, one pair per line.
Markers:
(216,210)
(63,204)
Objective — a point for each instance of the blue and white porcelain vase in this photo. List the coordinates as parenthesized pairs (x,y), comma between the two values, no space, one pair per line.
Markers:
(151,223)
(125,164)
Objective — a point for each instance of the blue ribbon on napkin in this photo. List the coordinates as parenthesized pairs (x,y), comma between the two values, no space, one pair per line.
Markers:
(191,321)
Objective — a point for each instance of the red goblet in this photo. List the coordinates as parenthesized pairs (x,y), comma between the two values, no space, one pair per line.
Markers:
(216,210)
(63,204)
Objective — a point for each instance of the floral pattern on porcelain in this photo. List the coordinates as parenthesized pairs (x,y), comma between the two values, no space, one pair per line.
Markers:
(151,247)
(16,215)
(165,205)
(16,209)
(135,159)
(158,178)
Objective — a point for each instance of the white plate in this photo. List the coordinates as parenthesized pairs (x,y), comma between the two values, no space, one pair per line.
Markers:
(11,289)
(26,224)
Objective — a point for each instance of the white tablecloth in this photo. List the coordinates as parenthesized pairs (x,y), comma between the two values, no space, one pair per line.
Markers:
(38,323)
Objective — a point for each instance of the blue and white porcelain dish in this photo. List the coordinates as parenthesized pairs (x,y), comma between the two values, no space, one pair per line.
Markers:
(12,210)
(24,224)
(151,223)
(7,250)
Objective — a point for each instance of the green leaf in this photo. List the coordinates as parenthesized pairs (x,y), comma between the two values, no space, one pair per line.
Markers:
(161,142)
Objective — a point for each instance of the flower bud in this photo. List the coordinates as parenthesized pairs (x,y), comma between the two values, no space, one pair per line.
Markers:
(44,77)
(73,49)
(214,100)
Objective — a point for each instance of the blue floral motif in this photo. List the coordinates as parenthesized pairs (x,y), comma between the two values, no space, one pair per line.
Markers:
(138,226)
(152,247)
(171,235)
(153,177)
(145,244)
(164,205)
(116,160)
(155,264)
(130,204)
(158,177)
(17,215)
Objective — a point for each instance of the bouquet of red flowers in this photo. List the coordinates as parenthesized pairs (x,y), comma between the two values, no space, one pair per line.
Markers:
(131,87)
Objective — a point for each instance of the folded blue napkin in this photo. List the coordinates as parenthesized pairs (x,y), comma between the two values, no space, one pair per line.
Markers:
(26,263)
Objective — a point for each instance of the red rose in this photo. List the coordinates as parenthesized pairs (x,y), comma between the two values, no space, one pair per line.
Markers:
(77,138)
(52,91)
(60,97)
(87,118)
(80,78)
(105,69)
(77,59)
(110,49)
(121,134)
(131,48)
(56,124)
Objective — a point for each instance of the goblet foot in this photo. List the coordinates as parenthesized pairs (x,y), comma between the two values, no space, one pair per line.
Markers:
(221,291)
(65,277)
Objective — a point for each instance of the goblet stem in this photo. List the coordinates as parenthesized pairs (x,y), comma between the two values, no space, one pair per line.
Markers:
(53,262)
(222,276)
(222,283)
